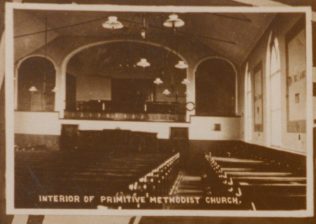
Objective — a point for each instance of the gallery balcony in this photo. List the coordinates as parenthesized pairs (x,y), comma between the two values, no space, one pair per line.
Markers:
(129,111)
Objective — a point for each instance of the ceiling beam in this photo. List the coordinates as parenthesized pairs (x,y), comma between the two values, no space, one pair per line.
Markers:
(264,3)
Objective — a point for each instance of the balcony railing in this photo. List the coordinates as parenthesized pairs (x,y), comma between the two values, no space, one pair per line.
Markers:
(109,110)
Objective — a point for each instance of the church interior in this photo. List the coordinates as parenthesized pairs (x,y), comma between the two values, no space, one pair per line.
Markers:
(182,104)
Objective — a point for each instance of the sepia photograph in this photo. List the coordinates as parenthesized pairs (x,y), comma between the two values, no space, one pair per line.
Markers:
(158,110)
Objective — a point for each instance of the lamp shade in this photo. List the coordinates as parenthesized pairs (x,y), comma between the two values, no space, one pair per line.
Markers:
(33,89)
(181,65)
(166,92)
(143,63)
(185,81)
(112,23)
(143,33)
(158,81)
(173,21)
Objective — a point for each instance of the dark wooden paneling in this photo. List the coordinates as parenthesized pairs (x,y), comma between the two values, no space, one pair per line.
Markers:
(130,95)
(29,142)
(70,92)
(69,137)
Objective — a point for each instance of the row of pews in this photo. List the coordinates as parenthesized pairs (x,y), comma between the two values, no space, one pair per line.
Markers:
(153,184)
(201,179)
(266,179)
(158,180)
(73,139)
(94,163)
(227,176)
(223,185)
(240,176)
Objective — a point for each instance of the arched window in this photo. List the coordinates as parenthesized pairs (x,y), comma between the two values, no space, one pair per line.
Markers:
(36,85)
(248,105)
(276,97)
(215,88)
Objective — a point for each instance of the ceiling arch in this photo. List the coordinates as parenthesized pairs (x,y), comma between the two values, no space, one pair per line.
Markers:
(120,56)
(231,35)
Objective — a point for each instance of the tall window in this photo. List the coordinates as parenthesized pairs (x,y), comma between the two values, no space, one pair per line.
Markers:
(36,85)
(258,97)
(275,95)
(248,105)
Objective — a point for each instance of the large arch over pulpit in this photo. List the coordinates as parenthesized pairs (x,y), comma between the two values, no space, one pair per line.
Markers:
(111,83)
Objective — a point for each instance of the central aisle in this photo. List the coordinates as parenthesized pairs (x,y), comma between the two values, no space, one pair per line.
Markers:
(202,188)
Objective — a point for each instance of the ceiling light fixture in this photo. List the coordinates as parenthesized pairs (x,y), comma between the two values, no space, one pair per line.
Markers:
(143,33)
(112,23)
(144,28)
(33,89)
(158,81)
(173,21)
(185,81)
(181,65)
(166,92)
(143,63)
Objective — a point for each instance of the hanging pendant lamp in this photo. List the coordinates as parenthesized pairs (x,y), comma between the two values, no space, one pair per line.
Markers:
(173,21)
(166,92)
(143,63)
(181,65)
(112,23)
(33,89)
(158,81)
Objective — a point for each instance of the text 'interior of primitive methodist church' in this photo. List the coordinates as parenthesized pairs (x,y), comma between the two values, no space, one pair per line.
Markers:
(160,110)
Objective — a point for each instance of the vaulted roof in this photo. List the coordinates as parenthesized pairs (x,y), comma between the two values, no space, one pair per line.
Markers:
(232,35)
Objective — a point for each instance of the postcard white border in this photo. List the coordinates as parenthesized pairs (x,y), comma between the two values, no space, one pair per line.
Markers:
(9,109)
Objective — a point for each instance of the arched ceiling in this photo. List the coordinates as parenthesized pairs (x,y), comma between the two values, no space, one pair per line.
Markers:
(232,35)
(119,59)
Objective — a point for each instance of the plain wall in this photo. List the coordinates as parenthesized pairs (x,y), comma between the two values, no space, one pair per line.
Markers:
(25,23)
(40,123)
(203,128)
(93,88)
(200,128)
